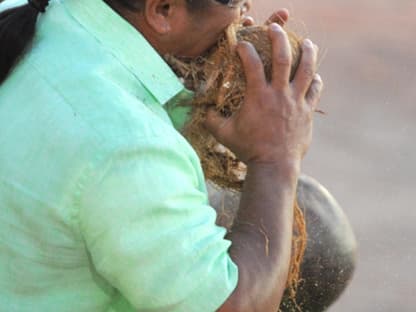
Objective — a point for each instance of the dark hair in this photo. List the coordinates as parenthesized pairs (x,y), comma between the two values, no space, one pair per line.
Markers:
(17,27)
(136,5)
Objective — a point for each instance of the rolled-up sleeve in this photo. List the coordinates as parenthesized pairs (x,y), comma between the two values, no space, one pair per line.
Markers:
(151,234)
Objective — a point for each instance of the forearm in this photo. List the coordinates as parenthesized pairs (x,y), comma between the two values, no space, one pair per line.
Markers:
(261,237)
(273,128)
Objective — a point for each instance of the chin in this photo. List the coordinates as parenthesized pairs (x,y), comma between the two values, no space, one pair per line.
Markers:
(196,52)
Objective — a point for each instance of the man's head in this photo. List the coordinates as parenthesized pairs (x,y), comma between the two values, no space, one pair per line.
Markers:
(193,5)
(180,27)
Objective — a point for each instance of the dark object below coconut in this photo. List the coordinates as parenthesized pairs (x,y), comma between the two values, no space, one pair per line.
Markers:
(330,255)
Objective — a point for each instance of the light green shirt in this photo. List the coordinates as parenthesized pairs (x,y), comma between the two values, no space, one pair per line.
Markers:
(103,204)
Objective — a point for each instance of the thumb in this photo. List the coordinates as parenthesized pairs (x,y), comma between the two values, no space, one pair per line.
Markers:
(247,21)
(280,17)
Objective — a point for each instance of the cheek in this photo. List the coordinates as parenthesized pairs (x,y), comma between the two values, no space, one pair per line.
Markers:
(199,41)
(198,45)
(203,35)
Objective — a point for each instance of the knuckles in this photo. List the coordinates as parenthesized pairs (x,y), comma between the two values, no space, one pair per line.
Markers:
(308,72)
(283,60)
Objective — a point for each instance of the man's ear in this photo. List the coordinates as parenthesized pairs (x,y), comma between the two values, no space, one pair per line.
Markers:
(158,14)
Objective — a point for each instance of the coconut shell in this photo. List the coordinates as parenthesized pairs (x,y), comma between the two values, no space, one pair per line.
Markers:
(330,257)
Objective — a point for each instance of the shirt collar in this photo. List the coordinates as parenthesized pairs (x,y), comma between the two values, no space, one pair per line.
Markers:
(128,45)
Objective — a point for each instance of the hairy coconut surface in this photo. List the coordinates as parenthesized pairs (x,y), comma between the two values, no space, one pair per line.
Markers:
(218,81)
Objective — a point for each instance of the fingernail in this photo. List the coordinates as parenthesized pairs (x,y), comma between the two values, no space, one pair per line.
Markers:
(308,43)
(242,44)
(275,27)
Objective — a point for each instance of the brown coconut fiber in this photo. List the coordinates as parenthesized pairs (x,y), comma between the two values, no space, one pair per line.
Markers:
(218,81)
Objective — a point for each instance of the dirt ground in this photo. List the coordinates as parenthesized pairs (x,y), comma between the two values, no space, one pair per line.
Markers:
(364,150)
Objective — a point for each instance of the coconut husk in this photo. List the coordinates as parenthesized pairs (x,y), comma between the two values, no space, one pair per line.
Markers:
(218,81)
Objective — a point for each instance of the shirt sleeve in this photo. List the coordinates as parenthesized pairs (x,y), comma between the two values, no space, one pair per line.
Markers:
(150,232)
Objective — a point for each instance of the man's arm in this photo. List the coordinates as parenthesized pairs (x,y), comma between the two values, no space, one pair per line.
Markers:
(261,238)
(271,133)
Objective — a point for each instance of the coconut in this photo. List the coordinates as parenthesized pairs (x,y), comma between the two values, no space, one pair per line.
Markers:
(218,81)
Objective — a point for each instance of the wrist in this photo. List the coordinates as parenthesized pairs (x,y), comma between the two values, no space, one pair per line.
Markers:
(287,168)
(289,163)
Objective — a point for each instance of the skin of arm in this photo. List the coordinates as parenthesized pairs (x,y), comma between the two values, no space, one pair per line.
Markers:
(261,238)
(271,134)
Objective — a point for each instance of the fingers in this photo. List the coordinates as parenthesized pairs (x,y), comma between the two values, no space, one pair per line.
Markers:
(244,19)
(280,17)
(306,70)
(282,56)
(314,92)
(247,21)
(246,6)
(252,65)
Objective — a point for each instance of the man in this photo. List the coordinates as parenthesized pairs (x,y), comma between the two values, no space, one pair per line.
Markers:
(272,167)
(104,205)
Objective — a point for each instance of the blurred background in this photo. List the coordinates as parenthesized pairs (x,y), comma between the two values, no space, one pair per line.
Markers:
(364,149)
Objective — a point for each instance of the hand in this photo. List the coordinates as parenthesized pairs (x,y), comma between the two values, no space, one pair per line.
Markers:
(280,16)
(274,123)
